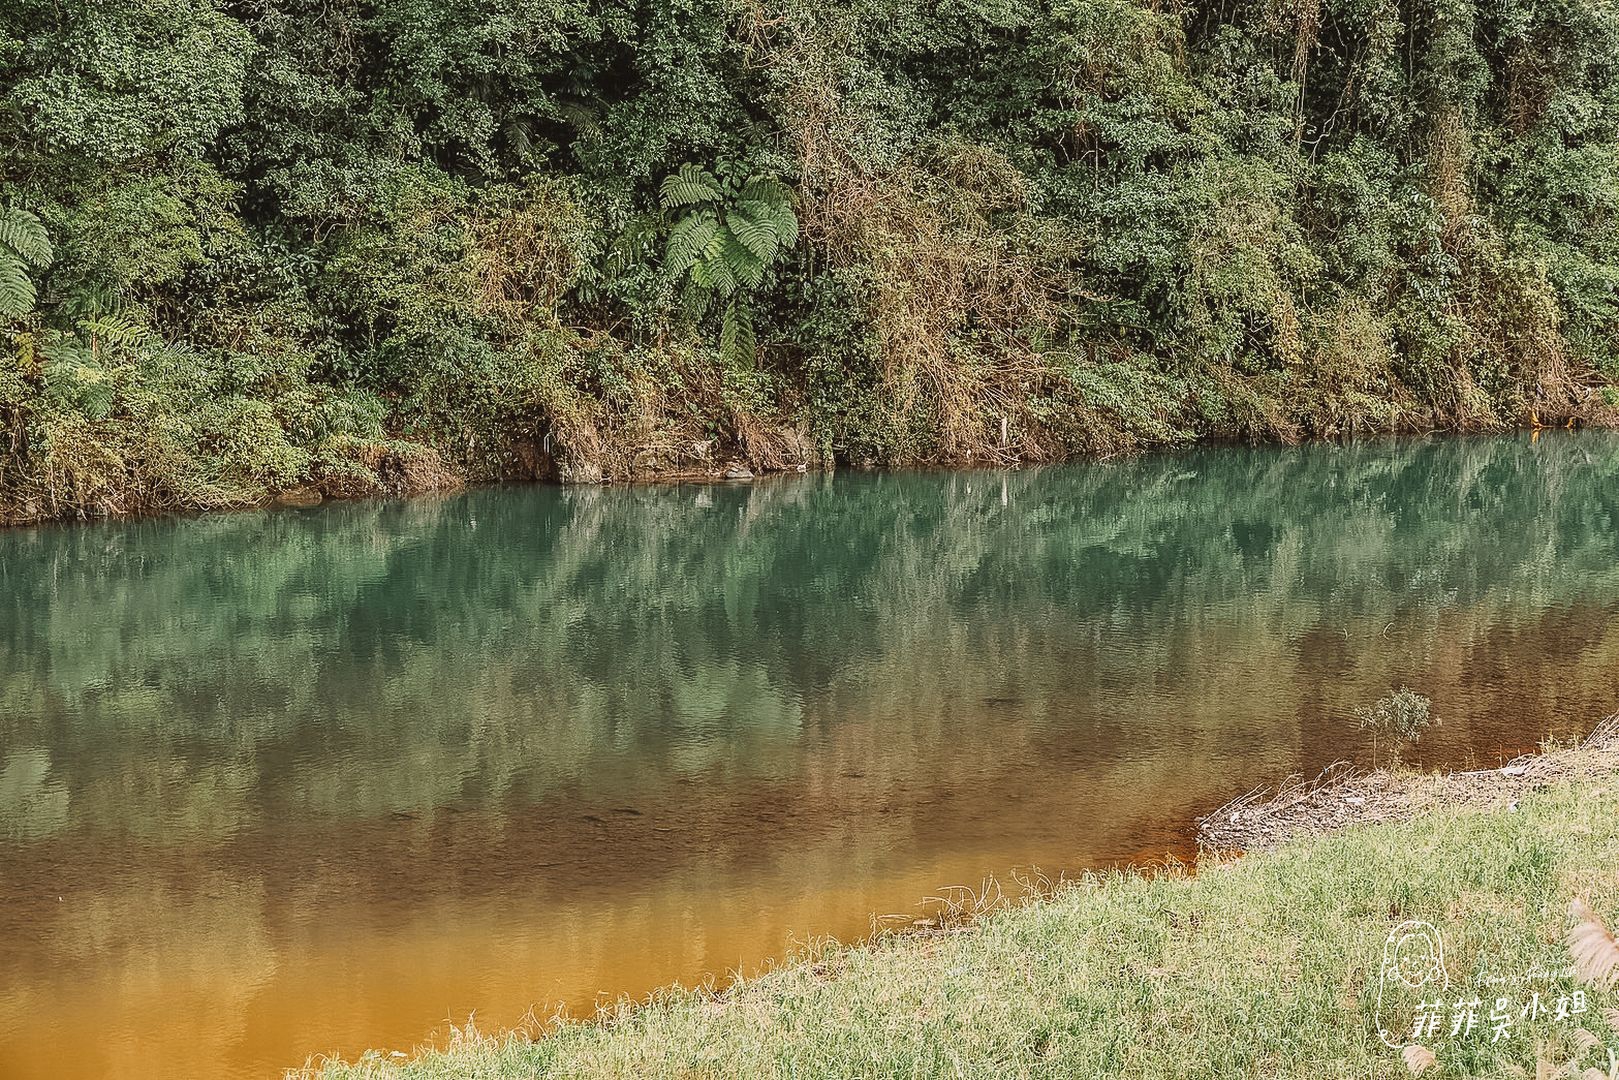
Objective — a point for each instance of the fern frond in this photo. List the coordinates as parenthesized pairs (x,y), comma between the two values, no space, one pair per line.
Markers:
(16,291)
(776,200)
(737,344)
(64,350)
(786,225)
(116,330)
(690,240)
(688,186)
(94,392)
(765,190)
(519,137)
(746,267)
(716,272)
(579,116)
(754,226)
(24,234)
(77,386)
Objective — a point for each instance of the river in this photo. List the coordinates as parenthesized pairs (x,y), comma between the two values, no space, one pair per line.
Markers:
(290,782)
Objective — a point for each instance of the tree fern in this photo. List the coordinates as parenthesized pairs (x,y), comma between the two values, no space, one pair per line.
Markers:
(16,290)
(771,200)
(75,378)
(766,190)
(755,229)
(115,332)
(716,273)
(786,223)
(84,371)
(746,267)
(724,242)
(689,240)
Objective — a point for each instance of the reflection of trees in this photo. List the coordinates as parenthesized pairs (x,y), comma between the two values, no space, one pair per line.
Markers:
(32,804)
(384,657)
(610,737)
(187,962)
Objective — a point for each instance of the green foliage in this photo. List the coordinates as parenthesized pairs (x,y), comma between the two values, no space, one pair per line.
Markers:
(1402,715)
(728,234)
(121,84)
(24,247)
(1027,230)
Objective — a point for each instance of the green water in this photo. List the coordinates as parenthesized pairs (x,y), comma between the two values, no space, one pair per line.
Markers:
(285,782)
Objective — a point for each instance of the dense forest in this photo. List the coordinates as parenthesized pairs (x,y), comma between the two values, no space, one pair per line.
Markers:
(261,247)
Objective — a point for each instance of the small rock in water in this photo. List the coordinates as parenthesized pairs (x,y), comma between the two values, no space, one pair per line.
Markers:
(738,472)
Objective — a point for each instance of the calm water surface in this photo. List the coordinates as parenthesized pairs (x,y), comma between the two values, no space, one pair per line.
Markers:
(283,783)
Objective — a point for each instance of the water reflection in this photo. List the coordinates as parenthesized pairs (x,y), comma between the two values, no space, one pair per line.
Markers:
(283,782)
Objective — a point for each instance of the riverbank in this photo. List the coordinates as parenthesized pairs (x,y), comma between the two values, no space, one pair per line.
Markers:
(1343,796)
(1270,964)
(332,246)
(394,469)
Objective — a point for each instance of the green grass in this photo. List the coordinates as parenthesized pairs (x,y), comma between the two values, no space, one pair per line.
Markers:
(1263,967)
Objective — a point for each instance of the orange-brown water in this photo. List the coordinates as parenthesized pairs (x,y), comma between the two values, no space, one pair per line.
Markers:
(283,784)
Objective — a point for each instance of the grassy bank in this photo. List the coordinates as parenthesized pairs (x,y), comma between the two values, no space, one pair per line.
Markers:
(1268,965)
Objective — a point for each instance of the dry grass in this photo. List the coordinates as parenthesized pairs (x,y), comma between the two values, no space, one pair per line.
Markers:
(963,309)
(355,468)
(954,302)
(1342,796)
(1593,947)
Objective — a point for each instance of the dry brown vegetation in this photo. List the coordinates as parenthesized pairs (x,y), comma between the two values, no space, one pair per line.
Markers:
(1342,796)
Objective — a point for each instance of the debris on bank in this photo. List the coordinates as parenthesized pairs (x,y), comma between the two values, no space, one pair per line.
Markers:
(1342,795)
